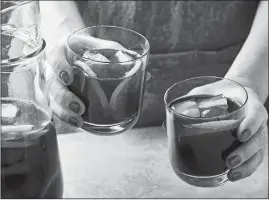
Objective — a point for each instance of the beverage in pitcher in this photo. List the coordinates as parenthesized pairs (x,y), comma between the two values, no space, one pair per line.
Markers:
(30,163)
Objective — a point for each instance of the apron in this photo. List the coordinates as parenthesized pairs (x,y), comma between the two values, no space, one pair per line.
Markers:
(187,39)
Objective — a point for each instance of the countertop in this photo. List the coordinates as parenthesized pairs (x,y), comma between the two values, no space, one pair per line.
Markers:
(135,164)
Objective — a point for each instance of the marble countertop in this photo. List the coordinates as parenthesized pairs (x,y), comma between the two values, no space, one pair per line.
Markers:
(136,165)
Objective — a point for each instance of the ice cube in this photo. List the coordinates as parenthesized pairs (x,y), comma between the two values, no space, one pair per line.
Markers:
(9,113)
(16,128)
(212,126)
(97,57)
(14,132)
(215,101)
(188,108)
(214,112)
(122,57)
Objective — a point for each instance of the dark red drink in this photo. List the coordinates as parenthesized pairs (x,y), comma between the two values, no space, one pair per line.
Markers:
(110,102)
(201,154)
(30,163)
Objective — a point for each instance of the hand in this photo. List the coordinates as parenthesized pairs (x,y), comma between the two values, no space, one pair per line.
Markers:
(59,74)
(252,132)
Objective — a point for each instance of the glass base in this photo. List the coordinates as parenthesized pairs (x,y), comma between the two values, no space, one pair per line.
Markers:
(111,129)
(203,181)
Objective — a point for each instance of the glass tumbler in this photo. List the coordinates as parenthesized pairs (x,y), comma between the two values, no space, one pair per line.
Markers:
(109,68)
(201,122)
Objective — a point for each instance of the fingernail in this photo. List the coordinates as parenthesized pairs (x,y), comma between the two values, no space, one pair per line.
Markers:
(73,121)
(64,77)
(234,160)
(74,106)
(236,176)
(245,135)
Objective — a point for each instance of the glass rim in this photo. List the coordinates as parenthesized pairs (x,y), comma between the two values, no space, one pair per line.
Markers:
(5,66)
(108,26)
(201,77)
(26,56)
(16,4)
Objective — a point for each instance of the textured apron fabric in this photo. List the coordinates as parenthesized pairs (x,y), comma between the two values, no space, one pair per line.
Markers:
(187,38)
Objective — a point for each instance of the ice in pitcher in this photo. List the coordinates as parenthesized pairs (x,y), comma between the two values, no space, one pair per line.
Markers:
(20,118)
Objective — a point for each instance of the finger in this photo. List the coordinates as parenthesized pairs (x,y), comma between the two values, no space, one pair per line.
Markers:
(64,97)
(80,41)
(57,59)
(65,115)
(256,115)
(247,149)
(247,168)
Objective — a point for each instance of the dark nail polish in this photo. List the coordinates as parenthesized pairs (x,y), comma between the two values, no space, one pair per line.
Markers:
(234,160)
(64,77)
(73,121)
(245,135)
(236,176)
(74,106)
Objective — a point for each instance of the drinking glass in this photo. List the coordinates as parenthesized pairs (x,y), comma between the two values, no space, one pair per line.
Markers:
(109,76)
(202,117)
(30,163)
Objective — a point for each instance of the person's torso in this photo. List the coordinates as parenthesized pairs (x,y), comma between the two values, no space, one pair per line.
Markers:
(187,39)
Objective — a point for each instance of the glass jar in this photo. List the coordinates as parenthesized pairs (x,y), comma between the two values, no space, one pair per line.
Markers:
(30,162)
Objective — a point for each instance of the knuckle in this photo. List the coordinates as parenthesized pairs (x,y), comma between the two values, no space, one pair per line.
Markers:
(262,135)
(261,108)
(265,113)
(51,53)
(55,65)
(261,156)
(253,164)
(247,153)
(248,169)
(265,134)
(68,97)
(62,115)
(49,83)
(60,96)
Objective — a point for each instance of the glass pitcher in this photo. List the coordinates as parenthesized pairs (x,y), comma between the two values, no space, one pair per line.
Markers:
(30,163)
